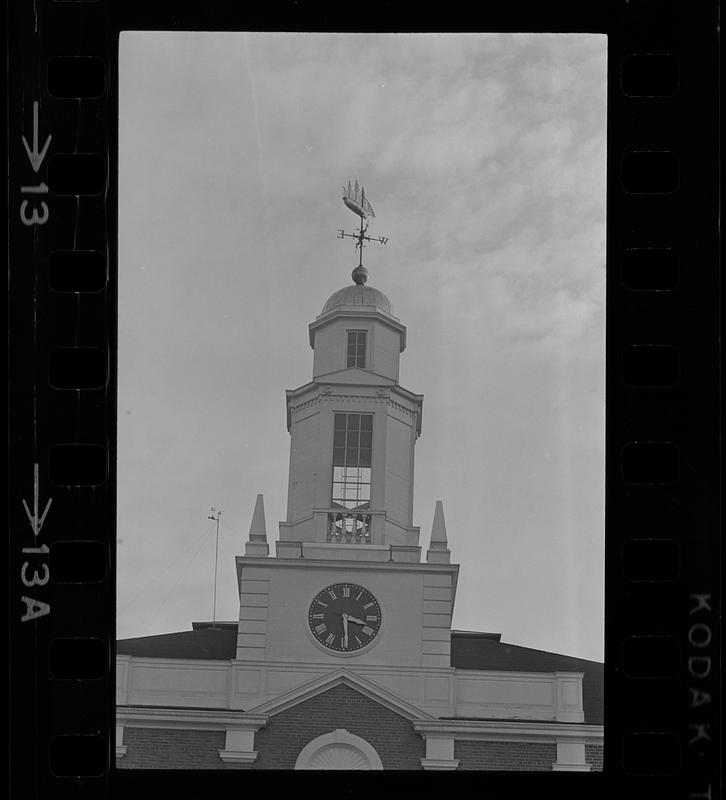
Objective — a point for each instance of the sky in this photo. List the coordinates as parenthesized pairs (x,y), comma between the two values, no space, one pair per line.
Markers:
(483,156)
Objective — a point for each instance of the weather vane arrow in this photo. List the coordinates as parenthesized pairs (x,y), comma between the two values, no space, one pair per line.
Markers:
(36,157)
(35,522)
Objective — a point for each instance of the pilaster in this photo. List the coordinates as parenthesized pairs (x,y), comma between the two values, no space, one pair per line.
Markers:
(571,756)
(254,589)
(239,741)
(120,746)
(440,753)
(568,687)
(437,611)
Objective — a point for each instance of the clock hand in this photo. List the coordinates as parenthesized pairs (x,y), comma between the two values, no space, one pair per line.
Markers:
(355,619)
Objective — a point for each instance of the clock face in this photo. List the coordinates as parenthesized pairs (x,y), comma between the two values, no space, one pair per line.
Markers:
(344,617)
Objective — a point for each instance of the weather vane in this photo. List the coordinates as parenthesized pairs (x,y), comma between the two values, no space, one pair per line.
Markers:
(355,199)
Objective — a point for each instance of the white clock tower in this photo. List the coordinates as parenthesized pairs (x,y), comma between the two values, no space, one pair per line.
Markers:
(347,585)
(343,655)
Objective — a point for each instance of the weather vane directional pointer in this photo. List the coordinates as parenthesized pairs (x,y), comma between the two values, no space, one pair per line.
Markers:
(355,199)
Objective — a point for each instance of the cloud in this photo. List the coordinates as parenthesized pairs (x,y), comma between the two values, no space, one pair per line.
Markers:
(484,158)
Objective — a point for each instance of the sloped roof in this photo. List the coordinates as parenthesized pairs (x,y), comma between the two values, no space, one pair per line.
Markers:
(485,651)
(218,643)
(479,651)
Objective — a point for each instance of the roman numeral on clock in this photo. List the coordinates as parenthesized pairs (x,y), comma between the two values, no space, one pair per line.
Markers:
(355,621)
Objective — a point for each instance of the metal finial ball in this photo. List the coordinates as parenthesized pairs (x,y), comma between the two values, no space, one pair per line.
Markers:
(359,275)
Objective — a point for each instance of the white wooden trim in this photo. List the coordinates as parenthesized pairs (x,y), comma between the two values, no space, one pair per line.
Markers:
(188,719)
(121,748)
(571,756)
(373,691)
(439,764)
(505,731)
(439,754)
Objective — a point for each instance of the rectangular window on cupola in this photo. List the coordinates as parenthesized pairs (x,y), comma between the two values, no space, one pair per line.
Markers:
(357,349)
(352,451)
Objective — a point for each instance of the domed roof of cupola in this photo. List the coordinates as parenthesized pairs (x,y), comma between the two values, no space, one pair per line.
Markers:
(358,297)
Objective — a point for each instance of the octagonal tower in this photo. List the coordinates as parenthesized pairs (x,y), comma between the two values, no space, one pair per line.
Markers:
(353,428)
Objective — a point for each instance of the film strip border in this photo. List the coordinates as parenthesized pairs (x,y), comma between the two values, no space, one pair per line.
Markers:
(62,414)
(663,590)
(662,583)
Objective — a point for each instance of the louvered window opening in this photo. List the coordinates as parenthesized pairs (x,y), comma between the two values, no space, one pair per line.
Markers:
(357,349)
(352,454)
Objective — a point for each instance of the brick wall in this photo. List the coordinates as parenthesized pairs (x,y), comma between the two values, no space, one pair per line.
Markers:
(505,755)
(593,756)
(279,744)
(154,748)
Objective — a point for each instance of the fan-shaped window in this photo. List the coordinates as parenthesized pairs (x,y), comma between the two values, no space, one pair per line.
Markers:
(338,750)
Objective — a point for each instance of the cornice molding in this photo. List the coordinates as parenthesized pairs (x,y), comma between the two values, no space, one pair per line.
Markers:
(327,394)
(389,566)
(401,409)
(413,672)
(304,405)
(514,731)
(188,719)
(334,314)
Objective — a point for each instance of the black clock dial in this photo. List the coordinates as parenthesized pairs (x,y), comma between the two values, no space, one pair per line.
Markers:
(344,617)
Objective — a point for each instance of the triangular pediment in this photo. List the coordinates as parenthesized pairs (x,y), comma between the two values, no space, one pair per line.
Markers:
(341,677)
(355,375)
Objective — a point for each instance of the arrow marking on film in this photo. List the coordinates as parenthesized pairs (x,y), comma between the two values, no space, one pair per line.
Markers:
(36,523)
(36,158)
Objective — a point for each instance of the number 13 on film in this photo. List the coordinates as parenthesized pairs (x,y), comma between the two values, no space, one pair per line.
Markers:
(32,210)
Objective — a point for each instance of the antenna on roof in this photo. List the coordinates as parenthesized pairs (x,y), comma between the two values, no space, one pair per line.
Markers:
(355,199)
(215,515)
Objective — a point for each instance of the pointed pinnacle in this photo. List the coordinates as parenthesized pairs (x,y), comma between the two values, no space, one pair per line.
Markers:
(258,530)
(438,529)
